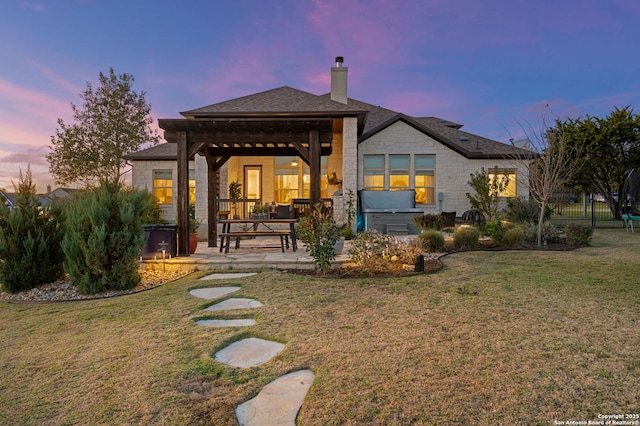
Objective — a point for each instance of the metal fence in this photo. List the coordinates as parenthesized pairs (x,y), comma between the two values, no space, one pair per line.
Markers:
(573,206)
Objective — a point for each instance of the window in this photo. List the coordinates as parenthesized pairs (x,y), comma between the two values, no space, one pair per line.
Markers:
(374,172)
(163,186)
(510,190)
(424,178)
(293,179)
(401,175)
(399,172)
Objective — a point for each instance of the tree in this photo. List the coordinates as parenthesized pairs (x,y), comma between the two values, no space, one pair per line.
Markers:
(556,160)
(611,151)
(114,121)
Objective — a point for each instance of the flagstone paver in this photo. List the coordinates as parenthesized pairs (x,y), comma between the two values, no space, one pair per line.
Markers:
(227,276)
(249,352)
(212,292)
(235,303)
(227,323)
(278,402)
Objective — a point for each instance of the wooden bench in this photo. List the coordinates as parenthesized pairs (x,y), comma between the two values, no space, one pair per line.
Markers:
(225,237)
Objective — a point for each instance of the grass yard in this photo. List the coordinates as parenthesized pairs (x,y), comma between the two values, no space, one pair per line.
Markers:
(520,337)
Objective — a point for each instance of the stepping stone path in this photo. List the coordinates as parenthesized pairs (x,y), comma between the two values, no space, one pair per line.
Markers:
(278,402)
(249,352)
(236,303)
(213,292)
(227,323)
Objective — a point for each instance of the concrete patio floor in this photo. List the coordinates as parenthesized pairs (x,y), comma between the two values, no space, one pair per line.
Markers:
(258,253)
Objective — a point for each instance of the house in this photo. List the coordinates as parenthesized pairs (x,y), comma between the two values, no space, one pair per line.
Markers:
(285,143)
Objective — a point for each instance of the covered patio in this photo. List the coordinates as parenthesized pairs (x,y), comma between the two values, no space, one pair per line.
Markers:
(218,138)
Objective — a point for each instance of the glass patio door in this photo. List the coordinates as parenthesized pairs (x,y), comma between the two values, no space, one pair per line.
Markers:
(252,185)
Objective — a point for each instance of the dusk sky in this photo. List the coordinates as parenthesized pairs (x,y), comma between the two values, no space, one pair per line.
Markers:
(490,65)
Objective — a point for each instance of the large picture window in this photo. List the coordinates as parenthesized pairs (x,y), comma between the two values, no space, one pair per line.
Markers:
(402,171)
(293,179)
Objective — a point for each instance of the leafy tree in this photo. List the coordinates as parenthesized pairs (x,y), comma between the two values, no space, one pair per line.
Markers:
(114,121)
(30,236)
(487,191)
(611,152)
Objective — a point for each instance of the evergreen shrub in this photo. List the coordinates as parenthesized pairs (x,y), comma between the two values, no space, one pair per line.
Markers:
(30,236)
(104,237)
(513,238)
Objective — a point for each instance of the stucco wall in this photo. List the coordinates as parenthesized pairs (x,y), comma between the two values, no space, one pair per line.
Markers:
(452,169)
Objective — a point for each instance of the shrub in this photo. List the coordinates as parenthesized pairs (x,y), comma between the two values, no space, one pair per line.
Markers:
(578,234)
(30,236)
(513,237)
(495,230)
(370,247)
(429,221)
(346,232)
(550,234)
(466,237)
(521,210)
(104,236)
(432,241)
(319,233)
(406,252)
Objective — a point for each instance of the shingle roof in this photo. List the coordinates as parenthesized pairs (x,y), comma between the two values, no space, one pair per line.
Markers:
(293,102)
(160,152)
(281,100)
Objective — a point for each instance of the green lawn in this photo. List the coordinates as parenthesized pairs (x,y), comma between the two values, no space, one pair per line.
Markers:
(519,337)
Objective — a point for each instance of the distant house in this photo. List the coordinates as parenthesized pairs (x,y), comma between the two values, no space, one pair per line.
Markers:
(7,199)
(63,193)
(284,144)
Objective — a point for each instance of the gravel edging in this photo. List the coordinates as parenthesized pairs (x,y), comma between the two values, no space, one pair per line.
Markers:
(63,291)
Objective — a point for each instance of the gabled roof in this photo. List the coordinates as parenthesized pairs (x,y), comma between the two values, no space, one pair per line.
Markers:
(281,101)
(446,132)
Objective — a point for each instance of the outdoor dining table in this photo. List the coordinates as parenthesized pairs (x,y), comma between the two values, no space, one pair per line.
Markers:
(259,227)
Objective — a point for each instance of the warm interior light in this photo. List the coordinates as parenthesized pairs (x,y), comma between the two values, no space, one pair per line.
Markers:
(294,163)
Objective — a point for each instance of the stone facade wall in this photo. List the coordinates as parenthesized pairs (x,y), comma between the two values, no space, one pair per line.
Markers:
(452,170)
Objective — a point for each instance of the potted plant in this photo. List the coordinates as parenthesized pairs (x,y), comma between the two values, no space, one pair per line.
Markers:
(194,224)
(260,212)
(235,192)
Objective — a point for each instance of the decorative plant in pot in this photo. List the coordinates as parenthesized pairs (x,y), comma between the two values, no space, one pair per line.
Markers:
(194,224)
(260,212)
(235,192)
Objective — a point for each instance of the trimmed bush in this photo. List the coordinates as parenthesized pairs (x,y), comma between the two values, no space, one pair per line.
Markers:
(466,237)
(432,241)
(578,234)
(30,236)
(550,233)
(104,237)
(513,238)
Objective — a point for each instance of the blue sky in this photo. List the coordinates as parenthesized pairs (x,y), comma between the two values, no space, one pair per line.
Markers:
(491,65)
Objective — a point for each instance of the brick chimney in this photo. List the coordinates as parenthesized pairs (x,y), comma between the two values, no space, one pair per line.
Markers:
(339,81)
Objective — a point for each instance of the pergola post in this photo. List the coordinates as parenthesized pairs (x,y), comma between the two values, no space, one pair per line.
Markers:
(212,202)
(314,167)
(183,195)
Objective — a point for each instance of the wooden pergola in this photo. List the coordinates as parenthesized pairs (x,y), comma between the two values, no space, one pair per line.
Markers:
(219,139)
